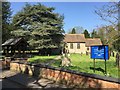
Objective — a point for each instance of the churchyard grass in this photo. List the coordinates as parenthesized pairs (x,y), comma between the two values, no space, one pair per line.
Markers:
(85,64)
(82,63)
(41,59)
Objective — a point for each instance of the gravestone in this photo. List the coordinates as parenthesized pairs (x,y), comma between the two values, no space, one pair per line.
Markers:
(66,62)
(112,53)
(81,53)
(86,53)
(118,59)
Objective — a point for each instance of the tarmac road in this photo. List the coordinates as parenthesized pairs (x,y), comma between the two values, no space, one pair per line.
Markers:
(15,80)
(7,84)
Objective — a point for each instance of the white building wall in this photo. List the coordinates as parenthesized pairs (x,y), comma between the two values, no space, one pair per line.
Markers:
(82,49)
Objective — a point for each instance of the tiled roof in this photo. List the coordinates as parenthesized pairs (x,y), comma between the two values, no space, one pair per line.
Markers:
(93,41)
(74,38)
(11,41)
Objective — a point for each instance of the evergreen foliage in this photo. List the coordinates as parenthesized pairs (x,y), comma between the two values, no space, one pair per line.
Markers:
(40,26)
(73,31)
(6,16)
(86,33)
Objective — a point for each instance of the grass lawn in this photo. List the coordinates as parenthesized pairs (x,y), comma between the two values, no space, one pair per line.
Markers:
(41,59)
(85,64)
(82,64)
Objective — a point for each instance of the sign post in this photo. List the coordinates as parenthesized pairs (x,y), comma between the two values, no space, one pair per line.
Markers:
(100,52)
(105,68)
(94,65)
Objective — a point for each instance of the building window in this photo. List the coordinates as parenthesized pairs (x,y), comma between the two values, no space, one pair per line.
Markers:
(78,45)
(71,45)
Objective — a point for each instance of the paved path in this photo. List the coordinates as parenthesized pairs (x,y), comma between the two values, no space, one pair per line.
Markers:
(10,84)
(52,61)
(58,57)
(19,80)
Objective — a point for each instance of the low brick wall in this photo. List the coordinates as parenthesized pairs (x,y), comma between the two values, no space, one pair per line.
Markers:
(68,77)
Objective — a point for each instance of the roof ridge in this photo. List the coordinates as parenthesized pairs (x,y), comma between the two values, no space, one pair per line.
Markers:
(74,34)
(92,38)
(11,41)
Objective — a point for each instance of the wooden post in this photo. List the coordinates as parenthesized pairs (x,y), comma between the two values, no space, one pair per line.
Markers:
(4,50)
(105,67)
(7,51)
(11,50)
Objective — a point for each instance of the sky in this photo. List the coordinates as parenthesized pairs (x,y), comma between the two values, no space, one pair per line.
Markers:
(76,13)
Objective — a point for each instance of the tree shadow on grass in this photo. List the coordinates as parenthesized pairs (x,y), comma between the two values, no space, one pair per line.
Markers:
(76,68)
(41,61)
(98,69)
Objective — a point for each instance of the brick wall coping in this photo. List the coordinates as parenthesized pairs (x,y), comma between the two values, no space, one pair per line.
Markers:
(105,78)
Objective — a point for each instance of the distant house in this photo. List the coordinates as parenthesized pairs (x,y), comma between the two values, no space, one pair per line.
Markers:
(77,43)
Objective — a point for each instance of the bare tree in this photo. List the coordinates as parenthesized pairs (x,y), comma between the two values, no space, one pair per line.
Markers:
(110,13)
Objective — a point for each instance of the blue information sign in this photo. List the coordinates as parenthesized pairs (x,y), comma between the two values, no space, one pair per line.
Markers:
(100,52)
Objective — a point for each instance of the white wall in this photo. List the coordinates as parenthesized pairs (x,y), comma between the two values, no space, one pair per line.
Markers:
(82,49)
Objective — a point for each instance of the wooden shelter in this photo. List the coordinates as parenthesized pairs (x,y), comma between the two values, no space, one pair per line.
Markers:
(14,44)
